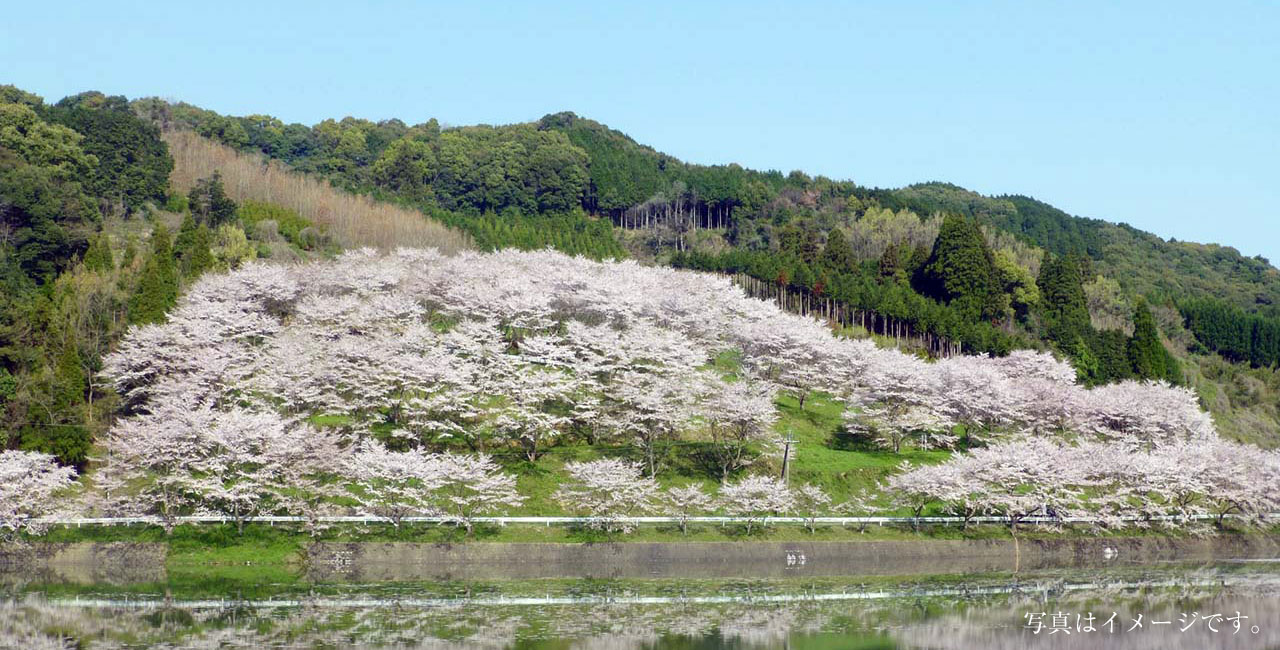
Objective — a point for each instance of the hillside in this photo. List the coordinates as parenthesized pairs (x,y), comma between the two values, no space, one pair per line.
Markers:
(930,268)
(596,188)
(374,378)
(105,220)
(354,220)
(207,345)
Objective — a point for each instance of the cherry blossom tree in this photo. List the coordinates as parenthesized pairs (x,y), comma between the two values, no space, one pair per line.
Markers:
(607,490)
(153,454)
(536,408)
(811,502)
(1145,412)
(756,498)
(28,481)
(651,408)
(394,484)
(1242,479)
(975,394)
(739,417)
(685,502)
(470,486)
(892,424)
(523,349)
(254,463)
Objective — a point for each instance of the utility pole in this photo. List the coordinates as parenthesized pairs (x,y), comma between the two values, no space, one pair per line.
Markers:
(786,457)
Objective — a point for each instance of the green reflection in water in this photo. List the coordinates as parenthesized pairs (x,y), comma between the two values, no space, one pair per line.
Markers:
(961,612)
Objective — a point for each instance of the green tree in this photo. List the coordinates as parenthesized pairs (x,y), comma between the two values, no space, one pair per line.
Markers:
(1149,357)
(98,257)
(209,201)
(1062,299)
(64,433)
(157,290)
(199,258)
(962,270)
(838,254)
(133,162)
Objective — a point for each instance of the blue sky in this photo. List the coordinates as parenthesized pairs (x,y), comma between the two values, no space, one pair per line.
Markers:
(1165,115)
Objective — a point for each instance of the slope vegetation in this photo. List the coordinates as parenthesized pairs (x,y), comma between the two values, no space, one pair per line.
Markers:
(356,220)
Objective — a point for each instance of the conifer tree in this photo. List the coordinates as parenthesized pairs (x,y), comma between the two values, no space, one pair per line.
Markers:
(962,269)
(200,258)
(838,254)
(1064,305)
(98,258)
(158,285)
(209,201)
(191,248)
(1147,354)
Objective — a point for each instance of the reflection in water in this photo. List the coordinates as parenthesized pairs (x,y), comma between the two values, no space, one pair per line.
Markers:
(982,614)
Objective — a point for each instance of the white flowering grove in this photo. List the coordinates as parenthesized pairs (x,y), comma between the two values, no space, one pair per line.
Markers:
(27,481)
(392,378)
(606,491)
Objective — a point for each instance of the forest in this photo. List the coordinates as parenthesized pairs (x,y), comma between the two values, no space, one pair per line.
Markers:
(564,181)
(167,268)
(389,384)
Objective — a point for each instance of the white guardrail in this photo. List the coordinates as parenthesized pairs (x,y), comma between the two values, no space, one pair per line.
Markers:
(547,521)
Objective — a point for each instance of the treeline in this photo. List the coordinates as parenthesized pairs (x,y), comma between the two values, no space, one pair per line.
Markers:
(1100,356)
(954,292)
(506,186)
(1235,334)
(582,171)
(67,286)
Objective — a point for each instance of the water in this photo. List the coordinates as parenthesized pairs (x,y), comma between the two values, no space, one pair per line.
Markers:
(1177,603)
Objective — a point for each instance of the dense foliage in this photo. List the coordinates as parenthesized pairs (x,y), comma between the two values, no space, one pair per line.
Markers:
(392,379)
(568,182)
(65,170)
(1234,333)
(133,164)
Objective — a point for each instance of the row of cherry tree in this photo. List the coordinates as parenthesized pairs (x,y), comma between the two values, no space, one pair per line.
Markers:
(430,361)
(1113,485)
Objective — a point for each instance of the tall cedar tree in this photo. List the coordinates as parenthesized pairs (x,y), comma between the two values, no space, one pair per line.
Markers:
(1148,355)
(962,269)
(158,287)
(1063,303)
(838,254)
(191,248)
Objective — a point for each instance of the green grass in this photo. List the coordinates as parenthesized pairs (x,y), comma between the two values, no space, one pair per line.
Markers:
(841,472)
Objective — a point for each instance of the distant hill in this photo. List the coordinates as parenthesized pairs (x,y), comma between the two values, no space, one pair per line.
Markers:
(579,186)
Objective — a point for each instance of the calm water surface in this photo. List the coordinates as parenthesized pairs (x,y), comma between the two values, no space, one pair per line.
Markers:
(1178,606)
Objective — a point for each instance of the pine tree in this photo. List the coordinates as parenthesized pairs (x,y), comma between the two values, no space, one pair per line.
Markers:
(158,285)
